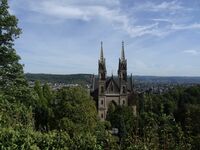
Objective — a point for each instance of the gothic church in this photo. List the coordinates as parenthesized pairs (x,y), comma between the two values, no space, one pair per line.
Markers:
(116,90)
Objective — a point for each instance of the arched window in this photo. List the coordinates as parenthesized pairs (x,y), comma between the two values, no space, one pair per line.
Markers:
(102,115)
(122,75)
(102,76)
(101,102)
(124,89)
(124,102)
(102,89)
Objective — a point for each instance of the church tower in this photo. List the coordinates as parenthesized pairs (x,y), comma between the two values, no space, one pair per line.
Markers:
(102,85)
(111,90)
(122,75)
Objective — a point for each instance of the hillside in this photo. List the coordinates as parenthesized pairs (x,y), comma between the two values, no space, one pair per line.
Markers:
(86,79)
(67,79)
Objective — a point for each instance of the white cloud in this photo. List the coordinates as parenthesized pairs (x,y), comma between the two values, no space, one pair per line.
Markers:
(162,20)
(75,10)
(108,12)
(173,5)
(164,6)
(192,52)
(91,12)
(185,27)
(141,30)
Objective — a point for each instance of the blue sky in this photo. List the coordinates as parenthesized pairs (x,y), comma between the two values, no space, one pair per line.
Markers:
(63,36)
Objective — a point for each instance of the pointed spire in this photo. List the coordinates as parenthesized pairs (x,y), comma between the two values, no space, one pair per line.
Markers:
(101,55)
(122,52)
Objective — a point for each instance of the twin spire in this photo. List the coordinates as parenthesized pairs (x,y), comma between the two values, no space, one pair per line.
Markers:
(101,55)
(122,52)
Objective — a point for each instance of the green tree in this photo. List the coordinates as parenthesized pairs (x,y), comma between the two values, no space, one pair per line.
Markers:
(74,106)
(42,108)
(47,93)
(12,81)
(104,138)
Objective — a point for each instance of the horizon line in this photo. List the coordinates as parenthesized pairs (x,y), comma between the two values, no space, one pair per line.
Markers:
(117,75)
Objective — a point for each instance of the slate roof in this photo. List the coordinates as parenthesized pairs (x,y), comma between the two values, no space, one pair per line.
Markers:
(112,83)
(109,79)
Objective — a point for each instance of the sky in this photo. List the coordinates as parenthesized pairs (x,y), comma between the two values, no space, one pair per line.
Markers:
(161,37)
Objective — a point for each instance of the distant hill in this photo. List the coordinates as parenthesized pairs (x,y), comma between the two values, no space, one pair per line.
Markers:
(170,79)
(82,79)
(86,79)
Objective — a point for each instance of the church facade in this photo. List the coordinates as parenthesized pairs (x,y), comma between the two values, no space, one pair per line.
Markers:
(106,90)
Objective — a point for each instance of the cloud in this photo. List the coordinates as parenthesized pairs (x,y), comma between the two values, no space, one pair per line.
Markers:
(92,12)
(73,10)
(192,52)
(108,12)
(185,27)
(85,13)
(156,7)
(162,20)
(138,31)
(173,5)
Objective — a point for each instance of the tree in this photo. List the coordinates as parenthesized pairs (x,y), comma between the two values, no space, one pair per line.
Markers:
(12,80)
(47,93)
(104,138)
(111,110)
(74,106)
(42,108)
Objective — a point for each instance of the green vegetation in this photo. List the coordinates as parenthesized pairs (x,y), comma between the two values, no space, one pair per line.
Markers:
(41,118)
(168,121)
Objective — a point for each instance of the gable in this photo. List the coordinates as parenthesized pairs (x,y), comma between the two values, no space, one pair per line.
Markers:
(112,86)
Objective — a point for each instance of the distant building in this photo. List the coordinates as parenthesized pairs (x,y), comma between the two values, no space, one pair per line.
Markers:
(117,90)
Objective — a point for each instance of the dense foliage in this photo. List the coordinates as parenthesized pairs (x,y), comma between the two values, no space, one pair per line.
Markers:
(42,118)
(167,121)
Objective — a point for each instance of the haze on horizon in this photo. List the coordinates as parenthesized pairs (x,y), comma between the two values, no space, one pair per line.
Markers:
(63,36)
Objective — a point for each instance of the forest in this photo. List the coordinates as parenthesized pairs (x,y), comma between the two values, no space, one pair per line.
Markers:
(39,118)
